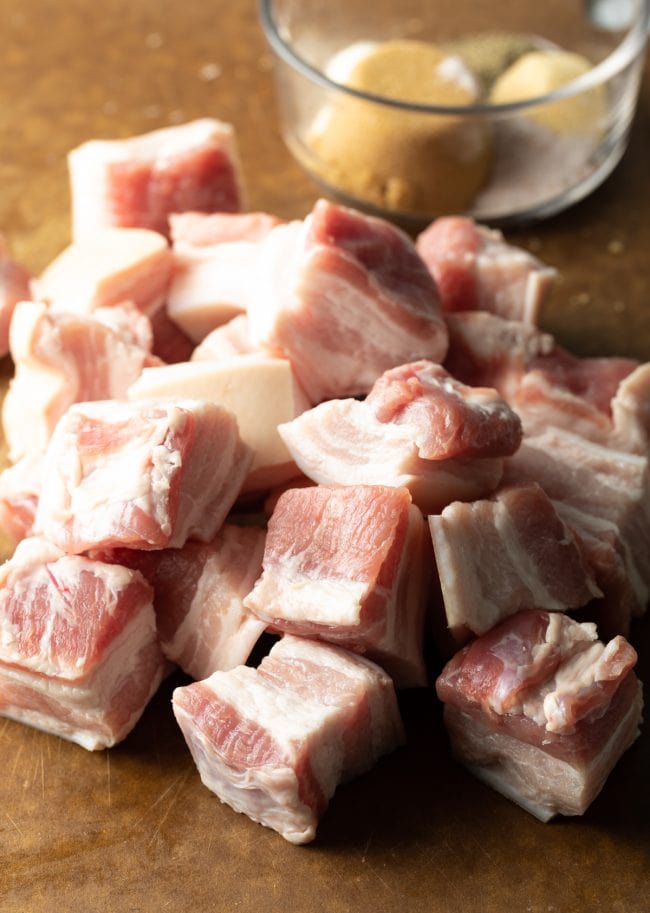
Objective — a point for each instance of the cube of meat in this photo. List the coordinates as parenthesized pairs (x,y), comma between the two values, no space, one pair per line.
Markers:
(215,260)
(198,597)
(274,742)
(260,391)
(106,267)
(225,341)
(541,710)
(20,488)
(79,654)
(64,358)
(138,182)
(510,552)
(476,269)
(418,428)
(596,479)
(15,286)
(149,474)
(345,297)
(349,565)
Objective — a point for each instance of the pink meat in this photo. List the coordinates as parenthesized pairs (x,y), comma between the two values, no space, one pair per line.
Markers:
(511,552)
(275,742)
(227,341)
(631,411)
(449,419)
(402,435)
(345,297)
(542,710)
(562,390)
(348,565)
(198,229)
(15,282)
(169,343)
(79,655)
(476,269)
(607,483)
(107,267)
(198,597)
(487,350)
(20,487)
(146,474)
(138,182)
(63,358)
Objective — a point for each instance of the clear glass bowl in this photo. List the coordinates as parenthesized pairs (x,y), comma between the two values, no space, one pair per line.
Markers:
(494,155)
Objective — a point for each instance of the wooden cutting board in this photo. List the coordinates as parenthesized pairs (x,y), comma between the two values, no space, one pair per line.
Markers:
(133,829)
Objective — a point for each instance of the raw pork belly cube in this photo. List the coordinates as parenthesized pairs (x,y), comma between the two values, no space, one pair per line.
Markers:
(15,286)
(149,474)
(107,267)
(137,182)
(198,597)
(274,742)
(61,359)
(20,487)
(260,391)
(79,654)
(349,565)
(597,479)
(510,552)
(541,710)
(489,351)
(224,342)
(215,266)
(344,296)
(418,428)
(476,269)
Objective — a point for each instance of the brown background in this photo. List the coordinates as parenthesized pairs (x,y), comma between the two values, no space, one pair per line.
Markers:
(133,829)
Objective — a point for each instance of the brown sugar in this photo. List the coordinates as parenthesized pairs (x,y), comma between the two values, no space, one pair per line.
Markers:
(397,159)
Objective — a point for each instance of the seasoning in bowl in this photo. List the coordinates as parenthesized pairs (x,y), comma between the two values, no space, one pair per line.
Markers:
(539,72)
(394,157)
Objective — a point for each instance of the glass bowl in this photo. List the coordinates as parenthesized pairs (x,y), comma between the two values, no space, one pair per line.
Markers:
(505,112)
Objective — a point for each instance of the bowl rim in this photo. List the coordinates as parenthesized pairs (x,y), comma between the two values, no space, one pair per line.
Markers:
(628,49)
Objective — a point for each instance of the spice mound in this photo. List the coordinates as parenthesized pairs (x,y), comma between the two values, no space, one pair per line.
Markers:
(399,158)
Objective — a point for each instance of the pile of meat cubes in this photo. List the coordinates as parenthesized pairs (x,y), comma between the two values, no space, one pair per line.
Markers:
(426,465)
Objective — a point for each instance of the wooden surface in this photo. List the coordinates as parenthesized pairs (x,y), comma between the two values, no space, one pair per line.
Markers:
(133,829)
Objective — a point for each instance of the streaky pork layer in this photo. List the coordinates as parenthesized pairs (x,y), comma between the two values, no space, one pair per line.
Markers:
(274,742)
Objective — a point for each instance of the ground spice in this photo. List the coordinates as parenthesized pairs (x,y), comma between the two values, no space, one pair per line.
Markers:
(403,160)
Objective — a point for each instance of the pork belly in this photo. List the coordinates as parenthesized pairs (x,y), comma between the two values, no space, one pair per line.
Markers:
(259,390)
(79,654)
(595,479)
(147,474)
(15,286)
(106,267)
(488,350)
(476,269)
(198,597)
(64,358)
(190,230)
(169,342)
(418,428)
(349,565)
(274,742)
(139,181)
(225,341)
(20,488)
(500,555)
(541,710)
(608,557)
(345,297)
